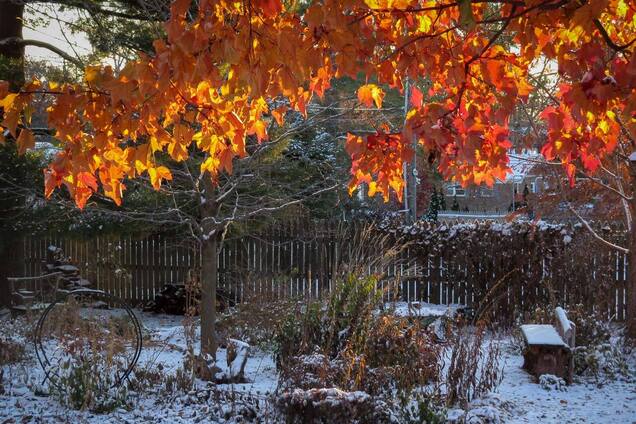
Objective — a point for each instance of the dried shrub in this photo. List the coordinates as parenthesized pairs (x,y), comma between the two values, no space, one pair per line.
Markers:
(421,407)
(73,330)
(85,382)
(330,352)
(601,361)
(595,354)
(592,328)
(255,320)
(311,371)
(91,349)
(11,351)
(145,377)
(475,367)
(398,353)
(331,406)
(239,407)
(348,344)
(300,333)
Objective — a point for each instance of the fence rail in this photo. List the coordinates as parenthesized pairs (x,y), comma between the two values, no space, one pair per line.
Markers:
(518,270)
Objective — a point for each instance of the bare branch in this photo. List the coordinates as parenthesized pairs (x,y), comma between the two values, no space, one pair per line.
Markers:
(269,209)
(37,43)
(608,187)
(608,39)
(595,234)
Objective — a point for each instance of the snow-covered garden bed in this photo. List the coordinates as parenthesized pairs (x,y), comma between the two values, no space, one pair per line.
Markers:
(160,392)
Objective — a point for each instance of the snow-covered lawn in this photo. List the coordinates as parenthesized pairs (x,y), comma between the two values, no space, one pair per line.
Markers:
(517,400)
(588,402)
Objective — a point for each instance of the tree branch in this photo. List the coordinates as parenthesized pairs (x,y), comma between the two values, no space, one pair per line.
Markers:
(37,43)
(608,39)
(95,8)
(270,208)
(595,234)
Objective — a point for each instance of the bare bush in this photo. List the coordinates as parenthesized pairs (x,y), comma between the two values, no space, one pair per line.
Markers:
(255,320)
(11,351)
(331,406)
(475,367)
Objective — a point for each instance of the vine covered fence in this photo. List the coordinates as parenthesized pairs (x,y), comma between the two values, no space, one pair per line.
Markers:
(511,267)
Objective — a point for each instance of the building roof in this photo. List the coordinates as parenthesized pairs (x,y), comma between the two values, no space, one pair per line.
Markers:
(521,164)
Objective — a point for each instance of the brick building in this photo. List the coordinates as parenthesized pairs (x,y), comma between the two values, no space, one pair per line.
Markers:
(504,194)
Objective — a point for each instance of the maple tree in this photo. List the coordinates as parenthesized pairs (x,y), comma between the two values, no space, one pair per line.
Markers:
(207,84)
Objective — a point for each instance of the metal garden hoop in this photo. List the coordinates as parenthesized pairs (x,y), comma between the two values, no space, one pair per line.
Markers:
(96,294)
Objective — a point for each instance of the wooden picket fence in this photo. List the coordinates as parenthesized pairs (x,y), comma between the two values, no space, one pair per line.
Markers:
(132,268)
(303,259)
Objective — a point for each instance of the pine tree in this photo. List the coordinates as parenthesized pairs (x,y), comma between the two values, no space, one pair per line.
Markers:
(434,206)
(455,206)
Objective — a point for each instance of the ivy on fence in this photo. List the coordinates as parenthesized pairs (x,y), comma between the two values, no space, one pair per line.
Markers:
(501,269)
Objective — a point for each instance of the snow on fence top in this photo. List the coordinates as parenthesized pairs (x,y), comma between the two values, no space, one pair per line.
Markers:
(425,231)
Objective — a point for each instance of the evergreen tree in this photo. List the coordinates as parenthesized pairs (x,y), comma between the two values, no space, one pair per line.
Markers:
(455,206)
(435,205)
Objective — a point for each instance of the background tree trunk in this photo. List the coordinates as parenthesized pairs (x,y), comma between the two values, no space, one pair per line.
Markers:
(12,70)
(11,55)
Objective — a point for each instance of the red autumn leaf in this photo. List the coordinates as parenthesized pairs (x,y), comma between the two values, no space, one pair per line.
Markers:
(416,97)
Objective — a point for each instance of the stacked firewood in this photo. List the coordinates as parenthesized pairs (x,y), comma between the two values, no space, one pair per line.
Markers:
(173,299)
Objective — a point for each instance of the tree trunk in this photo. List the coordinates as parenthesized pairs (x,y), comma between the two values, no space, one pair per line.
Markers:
(209,270)
(12,70)
(209,242)
(631,259)
(11,54)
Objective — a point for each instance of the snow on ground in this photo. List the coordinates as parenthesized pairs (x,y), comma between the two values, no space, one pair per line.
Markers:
(583,402)
(166,350)
(421,309)
(260,368)
(517,400)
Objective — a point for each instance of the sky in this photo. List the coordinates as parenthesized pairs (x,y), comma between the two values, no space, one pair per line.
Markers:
(57,33)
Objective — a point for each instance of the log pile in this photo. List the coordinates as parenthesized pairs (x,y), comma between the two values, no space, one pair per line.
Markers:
(172,300)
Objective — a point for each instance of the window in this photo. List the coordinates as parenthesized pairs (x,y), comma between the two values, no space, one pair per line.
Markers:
(362,192)
(455,189)
(533,187)
(486,191)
